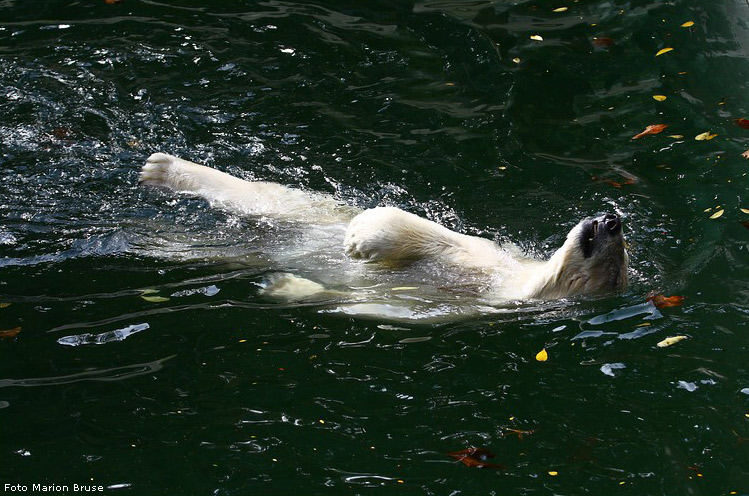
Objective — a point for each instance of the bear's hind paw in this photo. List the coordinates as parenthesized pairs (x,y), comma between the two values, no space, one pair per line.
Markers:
(155,172)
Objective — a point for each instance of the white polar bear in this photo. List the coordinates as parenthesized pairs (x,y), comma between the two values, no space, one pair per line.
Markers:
(592,259)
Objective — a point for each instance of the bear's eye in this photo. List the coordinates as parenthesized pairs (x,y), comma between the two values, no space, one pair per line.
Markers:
(587,236)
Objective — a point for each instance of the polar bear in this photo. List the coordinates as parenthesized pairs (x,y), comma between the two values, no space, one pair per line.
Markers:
(592,260)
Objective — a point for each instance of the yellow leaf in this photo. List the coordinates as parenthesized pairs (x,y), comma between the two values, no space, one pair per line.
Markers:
(669,341)
(659,98)
(6,305)
(705,136)
(553,473)
(155,299)
(676,136)
(560,9)
(537,37)
(542,355)
(688,24)
(662,51)
(717,214)
(745,210)
(405,288)
(516,60)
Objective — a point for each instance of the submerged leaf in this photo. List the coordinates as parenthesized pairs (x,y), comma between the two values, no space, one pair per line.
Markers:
(603,41)
(669,341)
(542,355)
(651,129)
(745,154)
(662,51)
(5,304)
(10,333)
(475,457)
(742,122)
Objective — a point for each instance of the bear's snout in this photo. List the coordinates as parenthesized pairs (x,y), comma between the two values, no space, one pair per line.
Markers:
(613,223)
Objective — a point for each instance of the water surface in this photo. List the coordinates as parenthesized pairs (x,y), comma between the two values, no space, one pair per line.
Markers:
(447,109)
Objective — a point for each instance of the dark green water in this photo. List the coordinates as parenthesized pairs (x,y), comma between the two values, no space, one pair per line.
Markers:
(219,391)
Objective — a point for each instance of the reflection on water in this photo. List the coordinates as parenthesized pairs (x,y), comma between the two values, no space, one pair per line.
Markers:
(504,120)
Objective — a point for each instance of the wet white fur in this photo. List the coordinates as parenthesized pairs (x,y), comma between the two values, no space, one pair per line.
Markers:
(389,234)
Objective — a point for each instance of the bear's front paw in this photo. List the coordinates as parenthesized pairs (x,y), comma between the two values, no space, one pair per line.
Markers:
(156,170)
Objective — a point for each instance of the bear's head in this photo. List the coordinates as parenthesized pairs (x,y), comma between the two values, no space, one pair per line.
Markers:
(592,260)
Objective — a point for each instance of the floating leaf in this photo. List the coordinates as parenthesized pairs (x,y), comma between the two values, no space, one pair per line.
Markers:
(688,24)
(10,333)
(405,288)
(475,457)
(669,341)
(717,214)
(542,355)
(603,41)
(705,136)
(662,51)
(659,98)
(537,37)
(745,154)
(661,301)
(155,299)
(676,136)
(560,9)
(516,60)
(745,210)
(652,129)
(149,296)
(742,122)
(553,473)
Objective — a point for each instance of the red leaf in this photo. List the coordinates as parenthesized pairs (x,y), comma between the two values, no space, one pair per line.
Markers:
(661,301)
(742,123)
(652,129)
(475,457)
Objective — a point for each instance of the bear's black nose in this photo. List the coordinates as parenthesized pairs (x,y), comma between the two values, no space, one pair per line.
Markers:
(612,222)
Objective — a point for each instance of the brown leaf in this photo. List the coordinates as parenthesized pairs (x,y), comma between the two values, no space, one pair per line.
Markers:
(475,457)
(603,41)
(745,154)
(742,122)
(10,333)
(652,129)
(661,301)
(745,223)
